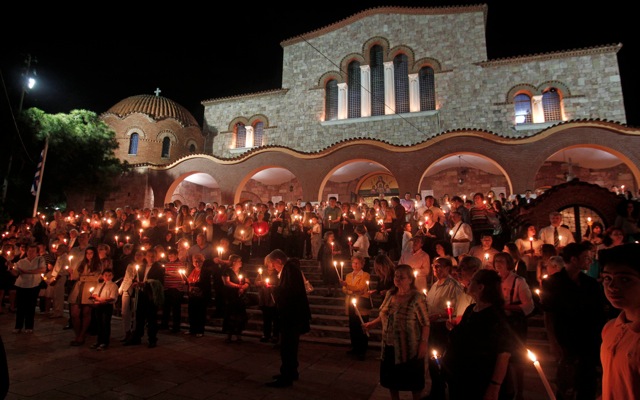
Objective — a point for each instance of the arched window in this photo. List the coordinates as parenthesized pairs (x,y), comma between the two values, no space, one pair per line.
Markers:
(522,103)
(241,135)
(258,131)
(551,105)
(166,145)
(427,89)
(331,101)
(377,80)
(401,82)
(192,148)
(355,88)
(133,144)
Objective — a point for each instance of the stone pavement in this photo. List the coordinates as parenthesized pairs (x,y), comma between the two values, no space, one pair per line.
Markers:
(43,366)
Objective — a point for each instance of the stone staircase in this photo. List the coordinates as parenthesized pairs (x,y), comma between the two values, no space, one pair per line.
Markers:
(329,323)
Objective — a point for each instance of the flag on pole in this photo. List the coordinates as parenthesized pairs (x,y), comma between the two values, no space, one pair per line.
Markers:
(36,178)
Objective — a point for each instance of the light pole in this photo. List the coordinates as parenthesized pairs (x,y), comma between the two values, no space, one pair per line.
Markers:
(28,83)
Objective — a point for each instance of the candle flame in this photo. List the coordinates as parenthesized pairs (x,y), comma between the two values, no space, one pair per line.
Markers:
(260,271)
(353,300)
(415,274)
(532,356)
(448,304)
(537,292)
(435,353)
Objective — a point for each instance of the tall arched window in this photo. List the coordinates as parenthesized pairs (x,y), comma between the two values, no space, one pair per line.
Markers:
(241,135)
(377,80)
(258,132)
(427,89)
(133,144)
(166,145)
(522,103)
(331,101)
(551,105)
(401,82)
(355,88)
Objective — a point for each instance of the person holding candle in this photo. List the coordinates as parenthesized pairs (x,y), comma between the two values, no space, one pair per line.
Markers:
(59,276)
(260,231)
(530,248)
(266,282)
(243,238)
(405,332)
(199,294)
(361,245)
(384,269)
(331,216)
(184,223)
(128,293)
(419,260)
(442,300)
(174,291)
(476,360)
(315,233)
(555,233)
(460,234)
(80,303)
(485,251)
(235,318)
(221,262)
(104,297)
(619,353)
(293,312)
(28,271)
(575,313)
(355,286)
(149,280)
(328,253)
(279,227)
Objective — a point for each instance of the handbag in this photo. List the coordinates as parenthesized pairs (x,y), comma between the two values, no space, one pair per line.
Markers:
(308,287)
(381,236)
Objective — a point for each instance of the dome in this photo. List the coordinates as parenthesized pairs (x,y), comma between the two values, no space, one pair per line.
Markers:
(156,107)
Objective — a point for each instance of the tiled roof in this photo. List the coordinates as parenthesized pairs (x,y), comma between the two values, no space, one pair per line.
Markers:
(156,107)
(552,55)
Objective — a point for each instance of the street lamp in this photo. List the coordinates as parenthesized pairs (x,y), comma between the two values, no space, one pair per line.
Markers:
(29,82)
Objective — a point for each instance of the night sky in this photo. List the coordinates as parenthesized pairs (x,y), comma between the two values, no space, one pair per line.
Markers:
(92,60)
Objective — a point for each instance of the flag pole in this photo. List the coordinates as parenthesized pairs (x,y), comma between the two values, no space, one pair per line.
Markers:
(44,159)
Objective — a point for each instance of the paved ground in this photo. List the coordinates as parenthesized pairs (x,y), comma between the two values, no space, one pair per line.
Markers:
(43,366)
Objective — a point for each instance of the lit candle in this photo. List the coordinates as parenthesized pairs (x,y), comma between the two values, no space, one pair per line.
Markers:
(436,357)
(545,382)
(341,270)
(415,273)
(135,278)
(127,239)
(116,239)
(260,272)
(219,251)
(267,282)
(531,242)
(240,278)
(449,310)
(559,238)
(589,221)
(335,265)
(425,292)
(354,301)
(486,256)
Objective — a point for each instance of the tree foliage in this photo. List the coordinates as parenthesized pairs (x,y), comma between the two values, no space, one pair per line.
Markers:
(80,156)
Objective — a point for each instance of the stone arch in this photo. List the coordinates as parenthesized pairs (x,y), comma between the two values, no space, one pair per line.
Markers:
(564,89)
(457,165)
(376,40)
(236,120)
(167,133)
(259,118)
(346,60)
(241,187)
(327,178)
(327,76)
(135,129)
(402,49)
(185,197)
(426,62)
(520,88)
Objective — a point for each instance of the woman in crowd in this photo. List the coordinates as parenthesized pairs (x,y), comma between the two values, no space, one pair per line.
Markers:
(266,282)
(330,251)
(236,285)
(384,269)
(518,306)
(520,264)
(27,270)
(476,361)
(405,332)
(199,281)
(184,222)
(80,301)
(443,249)
(628,219)
(530,248)
(432,231)
(128,294)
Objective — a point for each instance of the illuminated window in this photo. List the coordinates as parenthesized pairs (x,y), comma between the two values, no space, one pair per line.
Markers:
(355,88)
(401,81)
(522,103)
(427,89)
(551,105)
(166,145)
(331,100)
(377,80)
(133,144)
(241,135)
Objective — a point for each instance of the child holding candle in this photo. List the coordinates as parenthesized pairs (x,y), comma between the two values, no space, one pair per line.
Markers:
(355,285)
(104,297)
(266,282)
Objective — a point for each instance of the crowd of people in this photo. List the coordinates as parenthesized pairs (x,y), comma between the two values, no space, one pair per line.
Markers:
(449,273)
